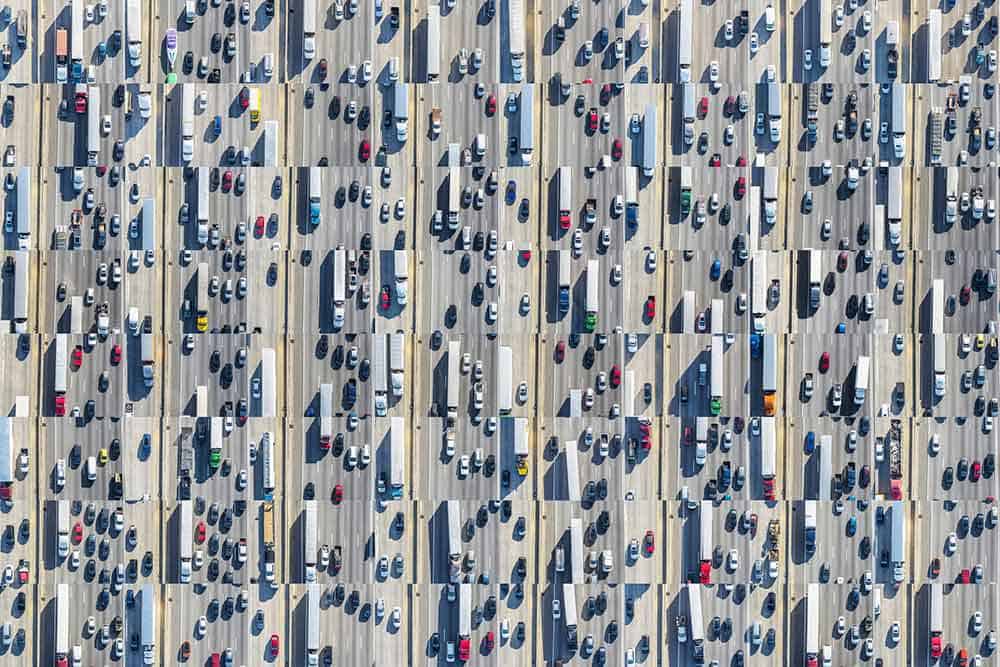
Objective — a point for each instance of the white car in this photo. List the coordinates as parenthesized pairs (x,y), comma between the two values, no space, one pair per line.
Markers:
(807,59)
(556,609)
(713,71)
(838,15)
(734,560)
(577,242)
(651,260)
(754,43)
(366,71)
(894,633)
(866,21)
(202,626)
(728,30)
(879,451)
(951,543)
(463,466)
(883,133)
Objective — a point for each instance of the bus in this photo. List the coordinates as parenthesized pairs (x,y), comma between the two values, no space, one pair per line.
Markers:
(454,540)
(684,41)
(254,105)
(937,306)
(380,377)
(267,464)
(505,379)
(201,297)
(526,116)
(717,384)
(62,55)
(133,29)
(564,278)
(767,457)
(202,210)
(315,192)
(268,402)
(933,45)
(396,458)
(20,311)
(325,415)
(861,373)
(433,42)
(565,196)
(769,378)
(308,29)
(454,378)
(813,611)
(706,542)
(697,623)
(59,385)
(76,41)
(515,38)
(649,141)
(93,126)
(310,550)
(339,276)
(593,277)
(215,447)
(187,122)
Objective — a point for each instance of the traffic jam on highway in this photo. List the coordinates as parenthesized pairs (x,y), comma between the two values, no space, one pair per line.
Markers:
(567,334)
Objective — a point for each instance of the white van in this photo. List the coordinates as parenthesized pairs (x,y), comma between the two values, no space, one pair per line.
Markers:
(479,145)
(77,656)
(60,473)
(91,468)
(769,18)
(560,559)
(133,320)
(189,12)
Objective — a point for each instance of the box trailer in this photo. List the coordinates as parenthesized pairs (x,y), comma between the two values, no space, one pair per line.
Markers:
(270,144)
(93,125)
(940,384)
(577,574)
(62,528)
(688,307)
(433,43)
(313,595)
(565,196)
(572,469)
(148,225)
(770,195)
(76,315)
(895,201)
(454,196)
(184,540)
(897,516)
(809,527)
(933,44)
(401,268)
(861,372)
(505,379)
(339,286)
(697,622)
(76,41)
(325,415)
(516,38)
(147,629)
(936,620)
(133,31)
(308,29)
(569,614)
(815,278)
(397,457)
(813,610)
(59,381)
(593,298)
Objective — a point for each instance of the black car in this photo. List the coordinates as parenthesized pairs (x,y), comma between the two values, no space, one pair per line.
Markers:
(214,361)
(364,117)
(188,63)
(310,97)
(334,109)
(216,44)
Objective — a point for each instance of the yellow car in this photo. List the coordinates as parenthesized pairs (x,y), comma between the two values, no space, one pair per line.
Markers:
(522,467)
(102,457)
(980,341)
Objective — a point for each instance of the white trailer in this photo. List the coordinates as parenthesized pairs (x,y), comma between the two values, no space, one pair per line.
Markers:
(269,398)
(62,624)
(339,276)
(628,393)
(717,384)
(593,298)
(505,379)
(22,215)
(526,116)
(649,140)
(201,401)
(397,457)
(770,195)
(515,38)
(270,144)
(308,29)
(759,279)
(940,384)
(60,365)
(577,574)
(861,373)
(148,225)
(464,610)
(185,540)
(313,595)
(62,528)
(76,315)
(706,538)
(454,539)
(572,472)
(433,42)
(325,415)
(267,464)
(133,31)
(569,607)
(687,312)
(93,125)
(813,611)
(7,455)
(815,278)
(825,468)
(565,196)
(937,306)
(187,122)
(717,321)
(695,617)
(397,346)
(454,195)
(684,41)
(309,540)
(147,630)
(768,448)
(933,44)
(380,377)
(20,311)
(895,202)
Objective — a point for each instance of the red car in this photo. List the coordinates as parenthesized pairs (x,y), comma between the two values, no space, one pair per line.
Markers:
(703,107)
(824,362)
(616,149)
(77,533)
(245,97)
(741,187)
(592,120)
(338,493)
(560,351)
(199,533)
(715,160)
(102,169)
(688,435)
(526,255)
(646,442)
(741,161)
(321,69)
(965,576)
(651,307)
(227,180)
(76,359)
(650,543)
(616,376)
(842,261)
(116,355)
(963,658)
(605,93)
(491,105)
(365,151)
(258,226)
(386,301)
(489,641)
(274,645)
(975,471)
(965,294)
(80,103)
(936,567)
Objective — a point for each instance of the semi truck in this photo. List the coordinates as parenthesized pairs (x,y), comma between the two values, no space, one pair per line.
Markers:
(76,41)
(526,116)
(690,106)
(397,342)
(684,41)
(521,445)
(310,550)
(401,111)
(593,277)
(215,443)
(894,208)
(769,377)
(201,297)
(62,540)
(325,415)
(697,622)
(815,277)
(454,196)
(62,625)
(685,191)
(62,55)
(706,542)
(147,629)
(464,622)
(770,195)
(93,126)
(515,38)
(454,541)
(433,66)
(774,111)
(268,460)
(717,384)
(315,196)
(397,458)
(898,120)
(185,540)
(133,29)
(768,464)
(897,516)
(202,211)
(454,380)
(809,527)
(936,621)
(308,29)
(812,625)
(380,377)
(892,48)
(861,372)
(313,594)
(939,366)
(825,32)
(565,196)
(569,615)
(339,278)
(400,265)
(564,281)
(649,141)
(22,261)
(187,122)
(59,384)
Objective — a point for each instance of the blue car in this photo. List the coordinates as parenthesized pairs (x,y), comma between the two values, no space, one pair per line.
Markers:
(810,442)
(852,526)
(716,269)
(102,50)
(217,125)
(755,345)
(511,195)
